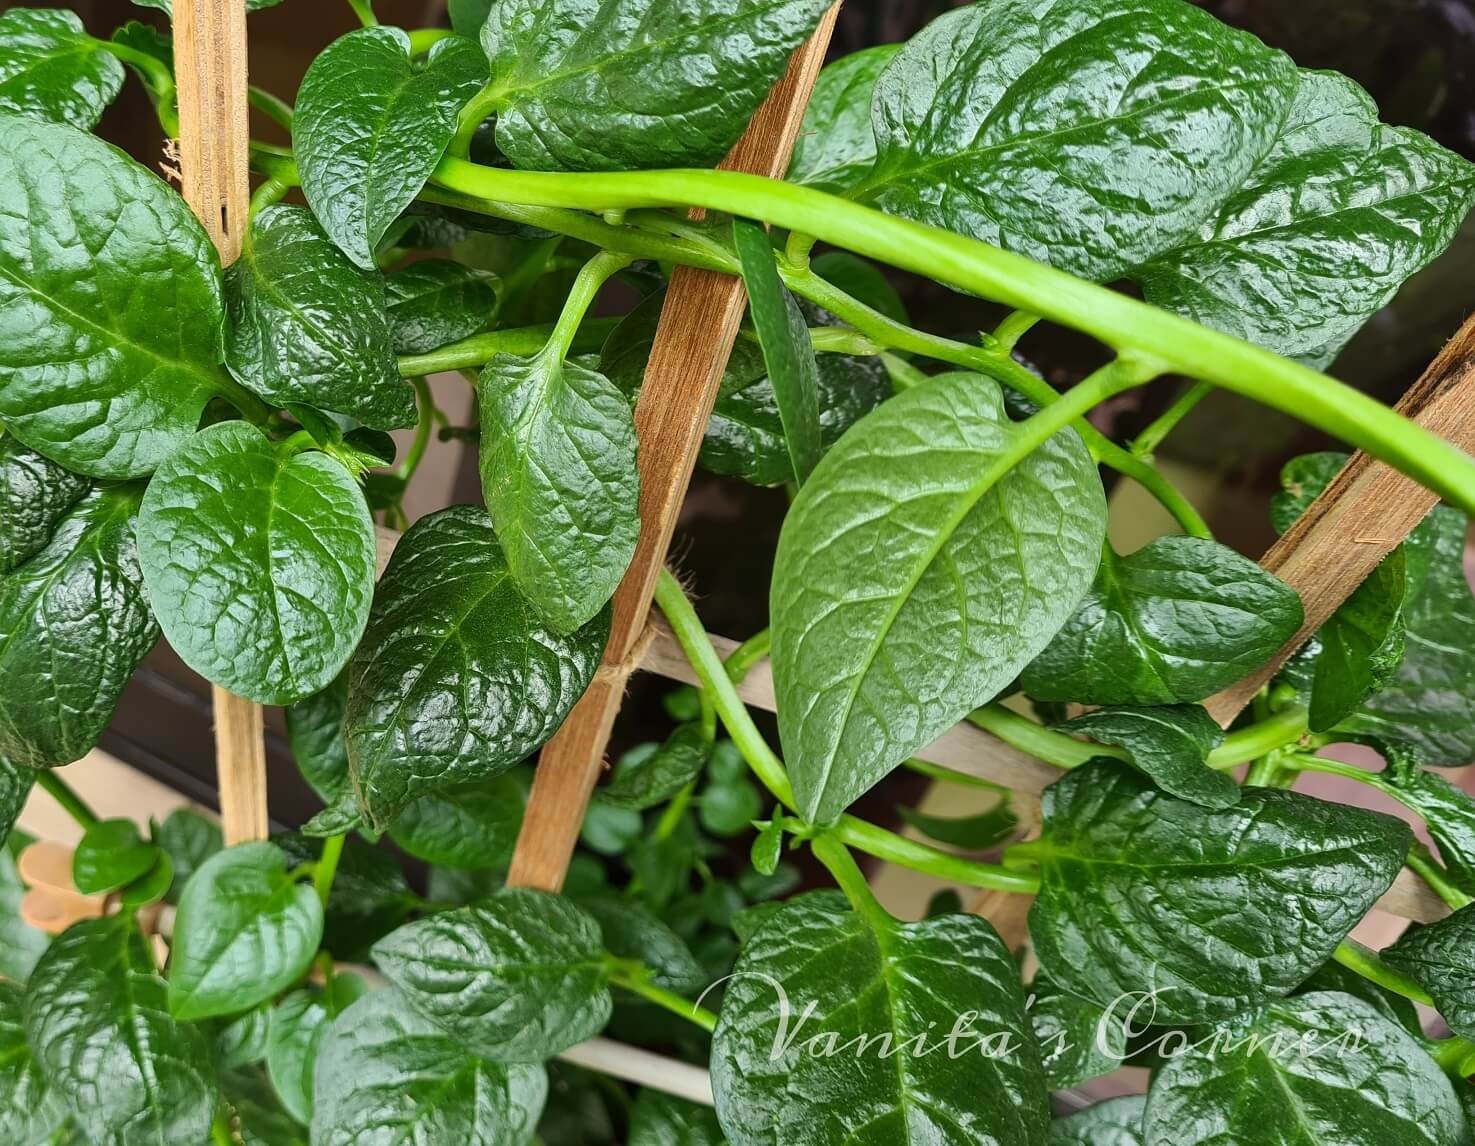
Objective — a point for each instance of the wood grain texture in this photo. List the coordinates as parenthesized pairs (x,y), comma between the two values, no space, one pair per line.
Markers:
(1367,510)
(698,326)
(214,154)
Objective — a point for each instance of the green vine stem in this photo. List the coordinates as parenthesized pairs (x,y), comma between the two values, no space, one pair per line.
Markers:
(480,349)
(276,109)
(1355,957)
(326,868)
(852,881)
(1165,423)
(65,795)
(363,9)
(635,977)
(425,401)
(1422,863)
(587,285)
(423,39)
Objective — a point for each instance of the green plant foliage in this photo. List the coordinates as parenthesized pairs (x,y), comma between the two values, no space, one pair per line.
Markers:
(51,69)
(1170,745)
(35,494)
(436,302)
(111,855)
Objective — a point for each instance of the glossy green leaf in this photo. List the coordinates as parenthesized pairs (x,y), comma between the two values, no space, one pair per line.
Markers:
(259,562)
(20,944)
(97,1021)
(370,897)
(257,1111)
(243,1042)
(1174,622)
(1361,645)
(294,1036)
(189,839)
(30,1111)
(474,827)
(371,125)
(516,978)
(788,353)
(111,312)
(1135,883)
(467,16)
(875,656)
(558,473)
(978,832)
(1333,976)
(836,147)
(16,781)
(600,85)
(899,987)
(1322,1069)
(1440,957)
(315,734)
(1170,745)
(1448,812)
(609,829)
(110,855)
(644,778)
(309,328)
(386,1074)
(435,302)
(35,494)
(152,886)
(658,1119)
(51,69)
(79,606)
(631,931)
(1079,1040)
(456,679)
(246,931)
(768,847)
(729,808)
(1115,1122)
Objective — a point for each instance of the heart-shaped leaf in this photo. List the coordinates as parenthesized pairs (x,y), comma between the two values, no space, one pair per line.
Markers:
(51,69)
(111,855)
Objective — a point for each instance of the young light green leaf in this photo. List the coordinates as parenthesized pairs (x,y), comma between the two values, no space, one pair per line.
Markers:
(309,328)
(294,1036)
(836,147)
(1115,1122)
(111,313)
(386,1074)
(1309,1071)
(1134,884)
(1361,645)
(245,931)
(111,855)
(35,494)
(1170,745)
(1438,957)
(371,125)
(768,846)
(728,808)
(1079,1040)
(51,69)
(30,1111)
(152,886)
(77,606)
(558,473)
(456,679)
(1172,623)
(189,839)
(783,334)
(898,988)
(515,978)
(658,1119)
(474,827)
(632,931)
(259,562)
(435,302)
(643,779)
(873,659)
(601,85)
(97,1020)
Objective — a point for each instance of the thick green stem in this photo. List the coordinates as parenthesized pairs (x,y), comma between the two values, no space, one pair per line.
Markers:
(271,191)
(1365,962)
(480,349)
(948,775)
(1456,1056)
(865,836)
(62,792)
(1014,327)
(1166,422)
(326,867)
(472,116)
(587,285)
(635,978)
(841,864)
(742,659)
(365,12)
(423,39)
(425,402)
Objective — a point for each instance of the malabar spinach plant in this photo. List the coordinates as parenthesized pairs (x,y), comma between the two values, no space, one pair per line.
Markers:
(198,452)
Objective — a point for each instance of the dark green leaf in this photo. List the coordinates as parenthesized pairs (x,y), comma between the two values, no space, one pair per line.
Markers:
(385,1074)
(658,1119)
(1135,883)
(51,69)
(975,833)
(467,16)
(111,318)
(309,328)
(315,733)
(643,779)
(35,494)
(111,855)
(1079,1039)
(371,126)
(30,1111)
(1170,745)
(777,1079)
(874,658)
(1441,958)
(298,1024)
(435,302)
(1333,976)
(631,931)
(258,1112)
(456,679)
(153,885)
(1174,622)
(337,819)
(788,353)
(77,606)
(1448,811)
(472,827)
(1302,480)
(613,84)
(609,829)
(97,1020)
(836,147)
(1115,1122)
(1361,645)
(20,944)
(244,1041)
(558,473)
(729,809)
(1310,1071)
(259,562)
(189,839)
(245,932)
(517,977)
(16,781)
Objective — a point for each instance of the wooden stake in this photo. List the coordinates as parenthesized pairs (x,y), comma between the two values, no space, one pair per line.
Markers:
(214,153)
(695,337)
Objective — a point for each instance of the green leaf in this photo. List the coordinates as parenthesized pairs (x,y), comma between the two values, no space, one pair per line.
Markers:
(875,657)
(189,839)
(372,124)
(385,1074)
(1170,745)
(1311,1070)
(890,984)
(111,855)
(35,494)
(259,562)
(435,302)
(30,1111)
(516,978)
(768,846)
(153,885)
(632,931)
(651,775)
(608,828)
(245,932)
(474,827)
(1090,135)
(1360,646)
(456,678)
(1448,812)
(1079,1040)
(96,1018)
(1135,882)
(111,316)
(467,16)
(605,85)
(294,1036)
(1333,976)
(783,334)
(558,473)
(315,734)
(1115,1122)
(836,147)
(658,1119)
(51,69)
(1172,623)
(258,1112)
(370,897)
(243,1042)
(979,832)
(1439,958)
(20,944)
(1339,212)
(79,607)
(309,328)
(861,280)
(16,782)
(728,809)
